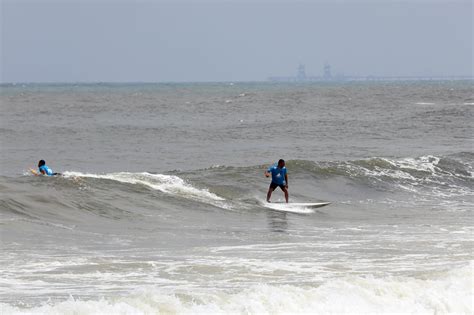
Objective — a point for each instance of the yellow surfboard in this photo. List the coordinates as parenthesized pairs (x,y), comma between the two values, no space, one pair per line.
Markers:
(34,172)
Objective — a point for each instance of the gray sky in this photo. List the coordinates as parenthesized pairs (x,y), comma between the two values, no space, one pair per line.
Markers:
(154,41)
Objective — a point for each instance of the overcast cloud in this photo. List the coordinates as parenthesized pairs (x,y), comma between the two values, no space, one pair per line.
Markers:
(155,41)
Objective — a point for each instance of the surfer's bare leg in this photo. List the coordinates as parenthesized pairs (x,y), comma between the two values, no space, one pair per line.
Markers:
(269,193)
(285,190)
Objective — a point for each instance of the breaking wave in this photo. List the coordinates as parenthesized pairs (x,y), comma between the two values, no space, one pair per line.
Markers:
(445,293)
(428,180)
(168,184)
(425,175)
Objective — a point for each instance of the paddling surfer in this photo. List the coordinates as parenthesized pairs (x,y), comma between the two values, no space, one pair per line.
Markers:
(43,169)
(279,179)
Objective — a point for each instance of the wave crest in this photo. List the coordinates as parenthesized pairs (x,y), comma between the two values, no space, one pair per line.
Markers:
(428,174)
(168,184)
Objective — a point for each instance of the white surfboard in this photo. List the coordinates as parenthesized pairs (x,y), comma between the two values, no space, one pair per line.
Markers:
(296,207)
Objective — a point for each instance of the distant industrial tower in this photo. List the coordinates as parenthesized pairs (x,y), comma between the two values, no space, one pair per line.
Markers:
(327,71)
(301,76)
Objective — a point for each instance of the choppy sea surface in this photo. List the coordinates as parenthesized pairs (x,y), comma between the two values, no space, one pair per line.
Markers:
(160,208)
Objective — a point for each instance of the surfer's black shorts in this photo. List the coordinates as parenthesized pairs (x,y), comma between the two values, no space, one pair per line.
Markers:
(275,185)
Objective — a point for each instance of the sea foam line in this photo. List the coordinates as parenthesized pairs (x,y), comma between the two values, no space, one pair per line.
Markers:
(168,184)
(444,293)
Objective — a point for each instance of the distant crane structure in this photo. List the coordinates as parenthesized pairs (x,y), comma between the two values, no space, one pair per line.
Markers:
(327,75)
(301,74)
(327,71)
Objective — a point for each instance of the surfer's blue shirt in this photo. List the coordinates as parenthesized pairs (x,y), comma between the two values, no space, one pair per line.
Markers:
(46,170)
(278,174)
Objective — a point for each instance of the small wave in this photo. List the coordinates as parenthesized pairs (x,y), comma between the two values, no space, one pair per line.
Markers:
(448,292)
(168,184)
(428,177)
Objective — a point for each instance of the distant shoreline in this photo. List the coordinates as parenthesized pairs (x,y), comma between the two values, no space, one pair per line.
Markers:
(371,78)
(271,80)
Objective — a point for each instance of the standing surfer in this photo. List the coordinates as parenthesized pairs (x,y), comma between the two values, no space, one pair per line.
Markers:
(279,179)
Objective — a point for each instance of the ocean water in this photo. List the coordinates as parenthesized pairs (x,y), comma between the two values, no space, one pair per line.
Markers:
(160,209)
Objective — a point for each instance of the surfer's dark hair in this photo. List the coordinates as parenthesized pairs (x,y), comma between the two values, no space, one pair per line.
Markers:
(281,161)
(41,163)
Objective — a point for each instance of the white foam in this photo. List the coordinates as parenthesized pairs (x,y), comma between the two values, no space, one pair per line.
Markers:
(426,163)
(168,184)
(422,176)
(442,293)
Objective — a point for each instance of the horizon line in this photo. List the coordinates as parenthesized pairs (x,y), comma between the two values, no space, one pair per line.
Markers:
(268,80)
